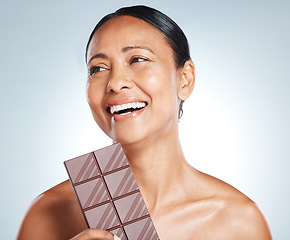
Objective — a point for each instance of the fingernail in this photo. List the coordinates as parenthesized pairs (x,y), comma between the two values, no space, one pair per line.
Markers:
(116,238)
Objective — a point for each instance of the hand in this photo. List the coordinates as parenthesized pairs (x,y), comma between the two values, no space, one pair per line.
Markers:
(95,234)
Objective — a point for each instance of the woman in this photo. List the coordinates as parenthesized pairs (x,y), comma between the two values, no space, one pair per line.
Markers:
(139,74)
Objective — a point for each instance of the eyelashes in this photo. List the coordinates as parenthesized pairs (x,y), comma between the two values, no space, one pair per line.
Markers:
(132,61)
(95,69)
(138,59)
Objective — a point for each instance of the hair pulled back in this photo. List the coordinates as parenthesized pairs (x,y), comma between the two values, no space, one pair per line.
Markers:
(171,31)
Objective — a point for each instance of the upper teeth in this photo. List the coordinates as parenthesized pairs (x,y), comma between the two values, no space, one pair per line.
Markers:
(117,108)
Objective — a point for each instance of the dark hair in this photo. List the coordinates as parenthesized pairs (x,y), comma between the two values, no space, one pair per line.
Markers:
(172,32)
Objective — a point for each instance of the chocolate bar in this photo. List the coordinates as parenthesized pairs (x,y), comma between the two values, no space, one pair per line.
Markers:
(109,195)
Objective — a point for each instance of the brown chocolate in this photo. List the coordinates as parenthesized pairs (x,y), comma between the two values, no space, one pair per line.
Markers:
(109,195)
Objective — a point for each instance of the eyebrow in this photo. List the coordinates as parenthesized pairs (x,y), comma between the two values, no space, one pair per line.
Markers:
(125,49)
(99,55)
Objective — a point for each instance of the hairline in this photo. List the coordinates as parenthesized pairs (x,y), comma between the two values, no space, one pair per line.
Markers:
(114,15)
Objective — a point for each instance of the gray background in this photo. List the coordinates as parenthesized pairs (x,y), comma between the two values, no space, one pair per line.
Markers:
(235,125)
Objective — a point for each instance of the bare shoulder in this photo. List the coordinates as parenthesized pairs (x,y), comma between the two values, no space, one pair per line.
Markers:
(238,216)
(247,221)
(54,214)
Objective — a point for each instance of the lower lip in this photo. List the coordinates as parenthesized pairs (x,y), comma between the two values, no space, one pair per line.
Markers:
(119,117)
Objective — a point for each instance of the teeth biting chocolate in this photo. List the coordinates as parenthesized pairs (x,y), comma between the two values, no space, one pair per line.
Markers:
(109,195)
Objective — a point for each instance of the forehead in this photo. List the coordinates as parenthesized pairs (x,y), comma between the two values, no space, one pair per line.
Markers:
(123,31)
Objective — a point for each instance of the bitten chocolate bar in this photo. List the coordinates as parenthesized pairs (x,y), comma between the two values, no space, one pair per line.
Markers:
(109,195)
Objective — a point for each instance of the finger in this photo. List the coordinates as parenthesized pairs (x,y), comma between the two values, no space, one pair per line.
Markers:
(116,238)
(94,234)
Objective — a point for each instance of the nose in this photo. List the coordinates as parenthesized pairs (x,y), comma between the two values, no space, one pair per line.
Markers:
(118,81)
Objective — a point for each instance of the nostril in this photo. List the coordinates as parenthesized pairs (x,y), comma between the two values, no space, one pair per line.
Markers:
(118,83)
(123,87)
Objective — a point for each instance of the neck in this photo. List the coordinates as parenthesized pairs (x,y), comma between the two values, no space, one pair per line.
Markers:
(159,167)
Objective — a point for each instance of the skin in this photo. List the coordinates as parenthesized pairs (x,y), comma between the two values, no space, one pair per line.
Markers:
(130,60)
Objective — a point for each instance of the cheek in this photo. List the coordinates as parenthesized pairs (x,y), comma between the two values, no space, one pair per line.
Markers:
(94,97)
(161,85)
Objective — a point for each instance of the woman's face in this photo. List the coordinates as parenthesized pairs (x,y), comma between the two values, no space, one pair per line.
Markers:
(132,82)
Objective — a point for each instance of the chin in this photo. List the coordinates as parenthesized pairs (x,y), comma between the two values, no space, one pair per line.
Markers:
(128,139)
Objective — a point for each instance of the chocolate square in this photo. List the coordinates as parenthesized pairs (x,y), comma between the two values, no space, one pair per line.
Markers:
(111,158)
(102,217)
(141,230)
(92,193)
(131,207)
(82,168)
(121,182)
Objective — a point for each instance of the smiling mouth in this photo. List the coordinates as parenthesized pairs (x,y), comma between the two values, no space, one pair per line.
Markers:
(127,108)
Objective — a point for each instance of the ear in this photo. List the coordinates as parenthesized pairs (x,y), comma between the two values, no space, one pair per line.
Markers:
(186,80)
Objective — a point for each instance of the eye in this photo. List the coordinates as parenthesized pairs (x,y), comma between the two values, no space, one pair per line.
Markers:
(95,69)
(138,59)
